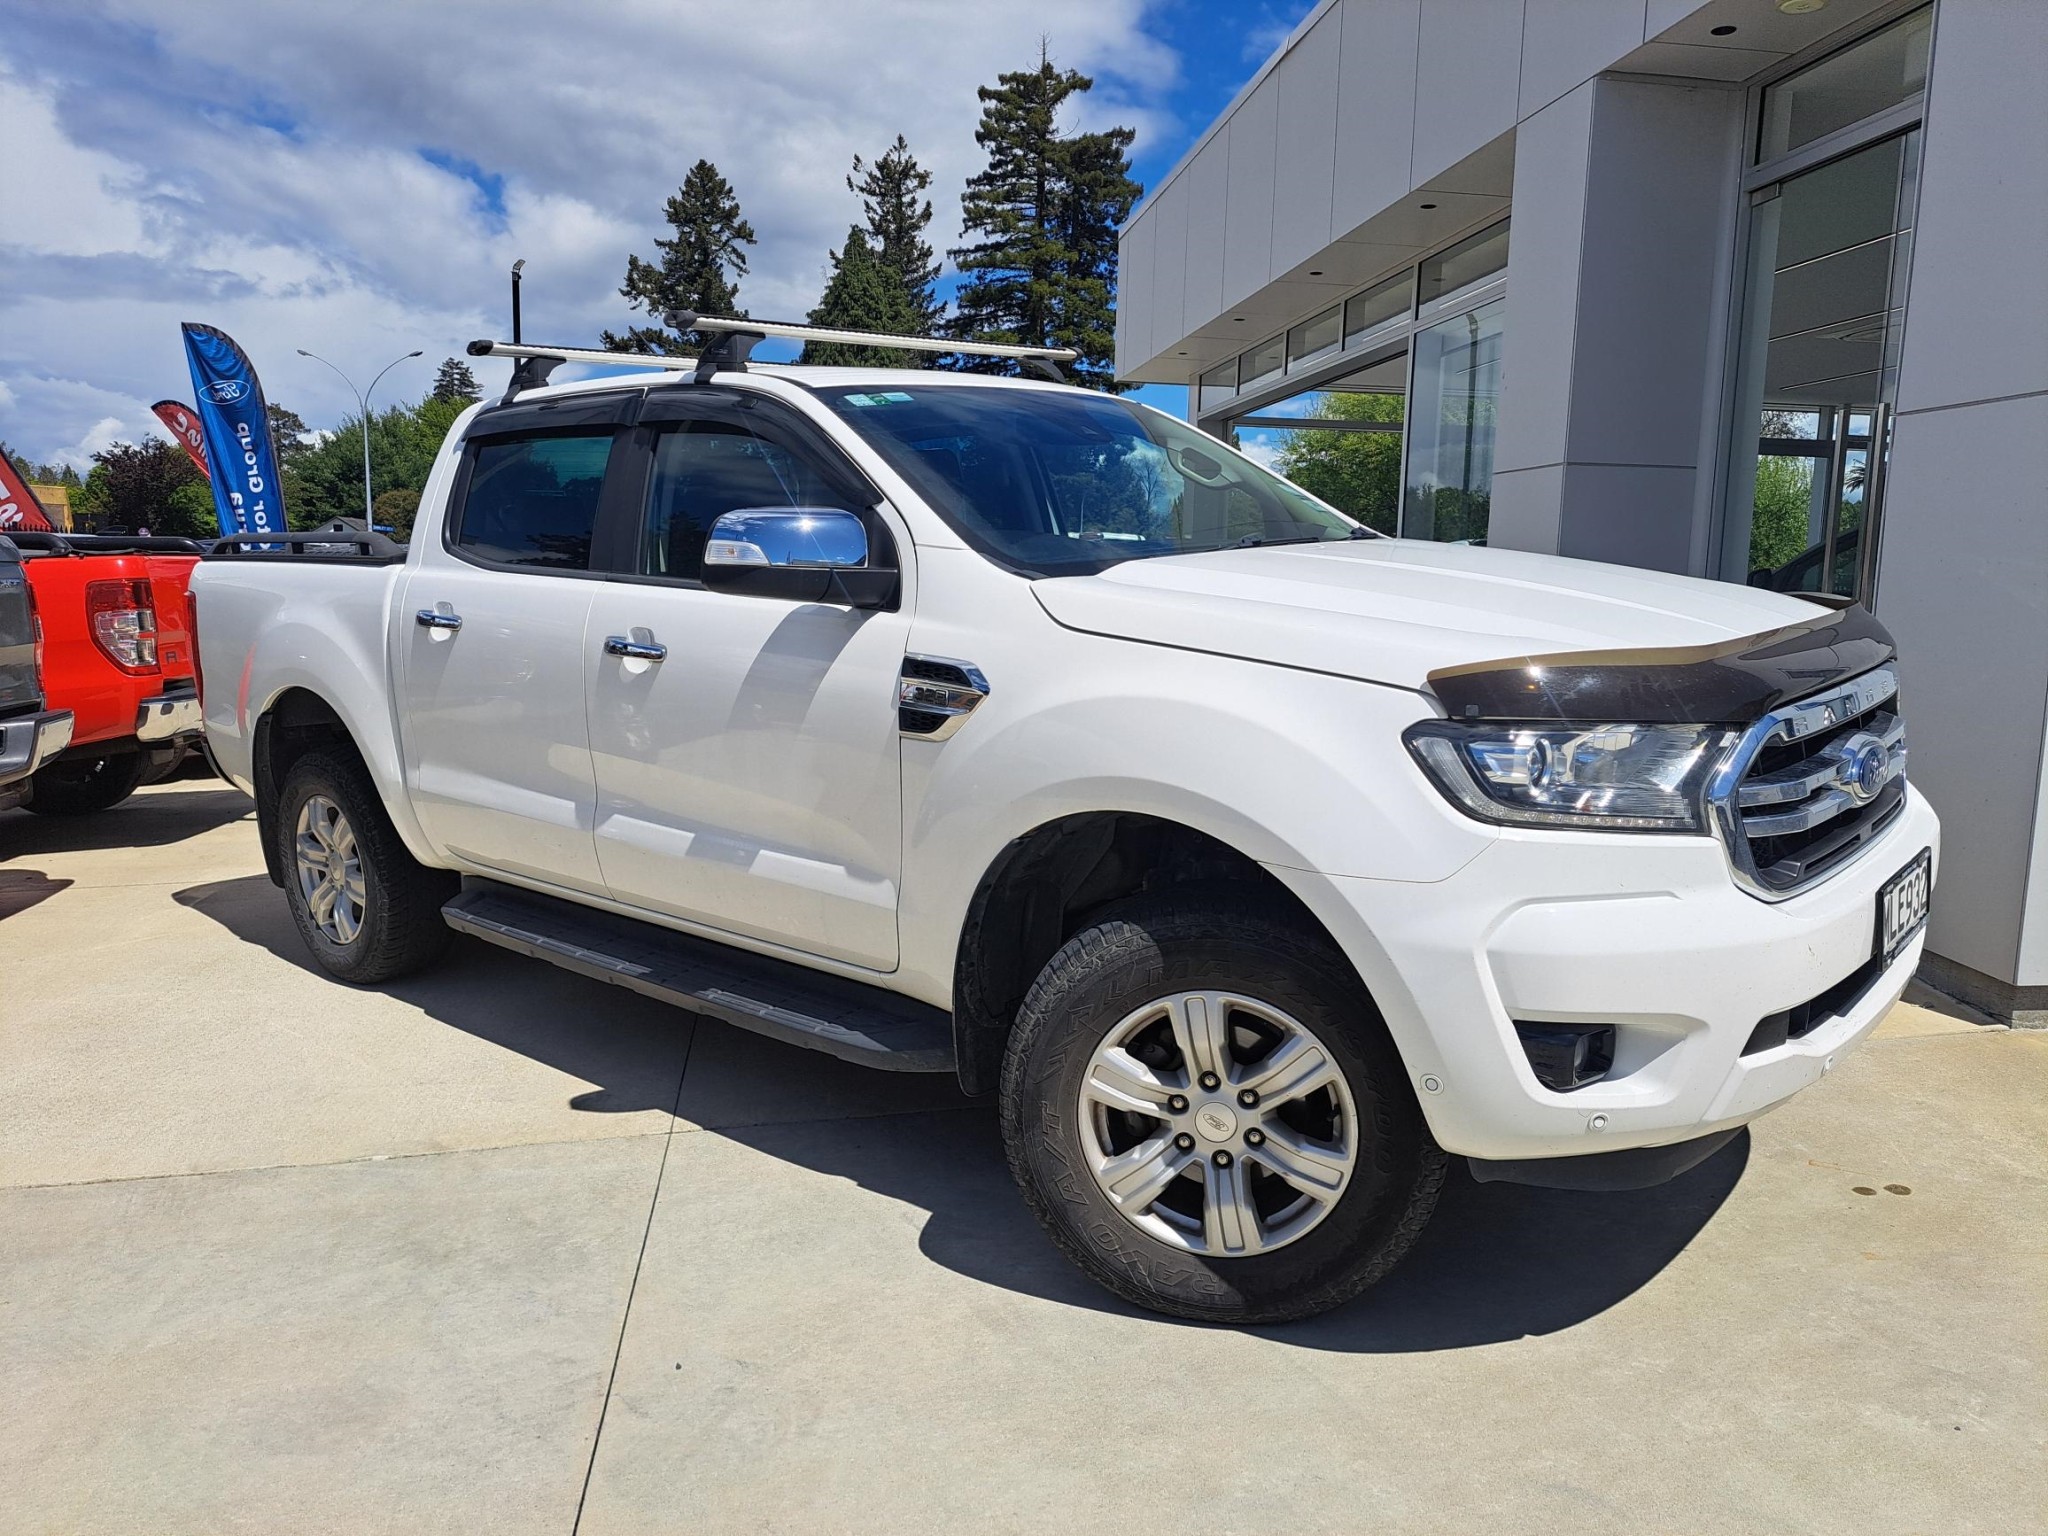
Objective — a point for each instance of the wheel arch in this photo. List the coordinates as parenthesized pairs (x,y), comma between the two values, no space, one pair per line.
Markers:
(297,721)
(1040,889)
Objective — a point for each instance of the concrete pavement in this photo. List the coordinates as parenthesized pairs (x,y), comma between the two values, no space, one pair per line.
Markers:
(498,1249)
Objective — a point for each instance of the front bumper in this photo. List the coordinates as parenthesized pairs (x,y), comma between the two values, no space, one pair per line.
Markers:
(28,743)
(1649,934)
(167,717)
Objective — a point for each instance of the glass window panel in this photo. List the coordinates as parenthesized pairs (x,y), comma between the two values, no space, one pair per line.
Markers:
(1467,262)
(1312,338)
(1881,71)
(533,500)
(1218,385)
(1376,306)
(1455,395)
(1823,305)
(705,469)
(1262,362)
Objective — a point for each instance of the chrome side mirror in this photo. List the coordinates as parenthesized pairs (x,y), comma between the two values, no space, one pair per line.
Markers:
(799,554)
(783,538)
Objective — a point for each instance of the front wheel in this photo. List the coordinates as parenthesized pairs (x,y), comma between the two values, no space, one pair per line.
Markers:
(79,786)
(367,909)
(1203,1108)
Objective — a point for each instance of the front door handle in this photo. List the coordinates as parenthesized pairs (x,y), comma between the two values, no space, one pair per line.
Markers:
(638,650)
(429,618)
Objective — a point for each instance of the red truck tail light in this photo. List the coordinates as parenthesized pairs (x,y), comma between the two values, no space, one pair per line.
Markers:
(123,621)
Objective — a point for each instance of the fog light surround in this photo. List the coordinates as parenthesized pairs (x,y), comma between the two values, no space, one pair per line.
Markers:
(1566,1057)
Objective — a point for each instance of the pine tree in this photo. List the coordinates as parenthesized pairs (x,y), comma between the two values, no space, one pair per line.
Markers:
(892,198)
(864,293)
(699,268)
(455,382)
(1048,207)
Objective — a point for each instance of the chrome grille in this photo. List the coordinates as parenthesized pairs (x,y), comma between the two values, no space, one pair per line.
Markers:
(1810,784)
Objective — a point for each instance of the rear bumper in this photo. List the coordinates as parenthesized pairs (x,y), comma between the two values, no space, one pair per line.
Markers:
(168,716)
(28,743)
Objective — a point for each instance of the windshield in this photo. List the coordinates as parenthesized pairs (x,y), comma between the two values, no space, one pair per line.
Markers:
(1068,482)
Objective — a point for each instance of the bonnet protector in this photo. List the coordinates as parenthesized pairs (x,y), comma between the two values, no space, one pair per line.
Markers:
(1730,683)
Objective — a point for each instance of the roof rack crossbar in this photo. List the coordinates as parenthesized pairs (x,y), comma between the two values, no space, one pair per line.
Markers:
(736,340)
(686,320)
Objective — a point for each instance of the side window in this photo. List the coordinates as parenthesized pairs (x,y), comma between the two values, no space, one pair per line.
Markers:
(704,469)
(533,500)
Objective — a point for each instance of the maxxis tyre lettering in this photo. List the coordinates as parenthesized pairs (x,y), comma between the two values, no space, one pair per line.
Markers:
(402,930)
(1155,945)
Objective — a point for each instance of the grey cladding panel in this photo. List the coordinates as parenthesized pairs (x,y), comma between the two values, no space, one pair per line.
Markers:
(1206,184)
(1977,308)
(1306,161)
(1136,302)
(1658,221)
(1169,266)
(1248,227)
(1959,583)
(1375,108)
(1544,248)
(1567,42)
(1468,71)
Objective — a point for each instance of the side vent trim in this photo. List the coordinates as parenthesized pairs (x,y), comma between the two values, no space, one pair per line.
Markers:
(935,695)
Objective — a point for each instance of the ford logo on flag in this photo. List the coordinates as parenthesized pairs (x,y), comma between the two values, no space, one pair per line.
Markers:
(227,391)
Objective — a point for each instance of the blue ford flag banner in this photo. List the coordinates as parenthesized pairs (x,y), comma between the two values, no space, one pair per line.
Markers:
(246,493)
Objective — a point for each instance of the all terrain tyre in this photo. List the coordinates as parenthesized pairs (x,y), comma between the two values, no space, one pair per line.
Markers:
(1203,1107)
(367,909)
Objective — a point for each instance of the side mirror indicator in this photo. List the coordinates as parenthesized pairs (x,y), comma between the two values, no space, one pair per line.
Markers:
(785,538)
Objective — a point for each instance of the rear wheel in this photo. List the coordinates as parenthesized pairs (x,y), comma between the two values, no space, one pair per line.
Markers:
(1203,1108)
(367,909)
(78,786)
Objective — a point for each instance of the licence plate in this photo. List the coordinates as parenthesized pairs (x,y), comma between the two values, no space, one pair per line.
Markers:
(1902,905)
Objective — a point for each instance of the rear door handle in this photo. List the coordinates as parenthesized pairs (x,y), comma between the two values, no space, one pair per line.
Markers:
(620,645)
(428,618)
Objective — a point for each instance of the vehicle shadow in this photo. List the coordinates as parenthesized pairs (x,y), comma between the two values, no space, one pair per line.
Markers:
(146,819)
(1499,1262)
(21,889)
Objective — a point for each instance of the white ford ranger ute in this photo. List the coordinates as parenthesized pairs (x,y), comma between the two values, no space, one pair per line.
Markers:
(950,723)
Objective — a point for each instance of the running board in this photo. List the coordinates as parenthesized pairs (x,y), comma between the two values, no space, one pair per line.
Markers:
(792,1003)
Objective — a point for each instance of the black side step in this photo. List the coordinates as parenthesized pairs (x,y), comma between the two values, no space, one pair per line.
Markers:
(848,1019)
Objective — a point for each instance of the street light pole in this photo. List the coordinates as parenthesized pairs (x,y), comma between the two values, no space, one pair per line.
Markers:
(516,266)
(362,403)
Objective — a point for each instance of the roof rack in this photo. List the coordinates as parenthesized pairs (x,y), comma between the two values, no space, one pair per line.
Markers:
(736,339)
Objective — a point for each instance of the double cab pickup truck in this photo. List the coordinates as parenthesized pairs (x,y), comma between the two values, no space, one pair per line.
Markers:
(116,654)
(1259,865)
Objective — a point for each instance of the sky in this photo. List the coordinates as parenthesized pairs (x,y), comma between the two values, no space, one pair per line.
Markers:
(356,180)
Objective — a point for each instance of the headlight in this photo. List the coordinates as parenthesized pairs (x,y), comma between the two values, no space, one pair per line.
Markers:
(1636,778)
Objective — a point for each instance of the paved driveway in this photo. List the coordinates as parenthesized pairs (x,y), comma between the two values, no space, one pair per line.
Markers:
(499,1249)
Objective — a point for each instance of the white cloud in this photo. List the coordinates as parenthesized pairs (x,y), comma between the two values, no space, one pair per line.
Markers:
(357,180)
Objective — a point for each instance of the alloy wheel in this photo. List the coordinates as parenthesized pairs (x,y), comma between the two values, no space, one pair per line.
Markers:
(1218,1124)
(330,869)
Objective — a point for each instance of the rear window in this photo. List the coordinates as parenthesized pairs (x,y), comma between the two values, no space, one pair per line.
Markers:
(532,501)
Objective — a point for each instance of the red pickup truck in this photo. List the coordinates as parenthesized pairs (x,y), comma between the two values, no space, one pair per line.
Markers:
(118,654)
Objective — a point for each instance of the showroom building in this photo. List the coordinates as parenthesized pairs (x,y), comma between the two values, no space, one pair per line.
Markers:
(1754,289)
